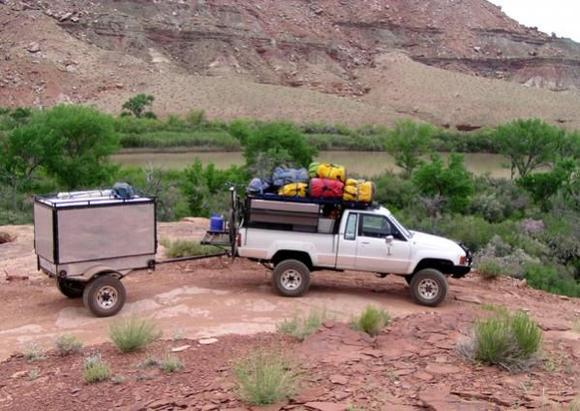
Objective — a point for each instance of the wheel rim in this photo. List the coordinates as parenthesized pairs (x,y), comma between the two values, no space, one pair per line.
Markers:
(291,279)
(428,289)
(107,297)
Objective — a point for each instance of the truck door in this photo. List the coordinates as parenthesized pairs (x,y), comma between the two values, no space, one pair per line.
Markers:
(375,252)
(346,255)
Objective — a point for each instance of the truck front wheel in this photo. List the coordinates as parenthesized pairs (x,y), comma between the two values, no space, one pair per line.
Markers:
(105,296)
(291,278)
(429,287)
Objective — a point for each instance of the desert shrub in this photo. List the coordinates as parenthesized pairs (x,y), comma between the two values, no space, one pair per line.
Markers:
(371,321)
(302,327)
(453,182)
(33,374)
(67,345)
(187,248)
(196,118)
(264,378)
(33,352)
(95,369)
(489,268)
(509,340)
(394,191)
(133,334)
(170,364)
(552,278)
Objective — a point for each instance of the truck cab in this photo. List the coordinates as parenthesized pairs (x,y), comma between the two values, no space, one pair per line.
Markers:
(298,237)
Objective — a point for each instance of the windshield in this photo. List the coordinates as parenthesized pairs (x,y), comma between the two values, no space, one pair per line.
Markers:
(402,229)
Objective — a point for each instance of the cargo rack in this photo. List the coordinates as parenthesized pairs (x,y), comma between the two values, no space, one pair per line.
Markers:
(310,200)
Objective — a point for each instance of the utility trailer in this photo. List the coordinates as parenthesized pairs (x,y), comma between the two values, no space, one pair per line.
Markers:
(88,241)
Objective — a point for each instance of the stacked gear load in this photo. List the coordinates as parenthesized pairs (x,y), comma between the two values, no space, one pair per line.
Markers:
(324,181)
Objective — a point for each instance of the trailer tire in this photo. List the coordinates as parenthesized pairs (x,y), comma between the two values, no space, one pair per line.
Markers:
(429,287)
(291,278)
(104,296)
(69,288)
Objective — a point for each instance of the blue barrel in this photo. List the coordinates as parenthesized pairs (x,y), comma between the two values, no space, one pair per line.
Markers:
(216,223)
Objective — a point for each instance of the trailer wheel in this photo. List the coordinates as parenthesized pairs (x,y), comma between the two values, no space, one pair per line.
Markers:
(429,287)
(105,296)
(70,288)
(291,278)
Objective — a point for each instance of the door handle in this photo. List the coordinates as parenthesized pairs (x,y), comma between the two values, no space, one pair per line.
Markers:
(365,242)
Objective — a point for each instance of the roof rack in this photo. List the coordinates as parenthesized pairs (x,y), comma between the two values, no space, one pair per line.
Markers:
(310,200)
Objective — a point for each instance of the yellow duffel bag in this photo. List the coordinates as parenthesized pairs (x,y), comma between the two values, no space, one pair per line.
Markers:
(359,191)
(293,190)
(331,171)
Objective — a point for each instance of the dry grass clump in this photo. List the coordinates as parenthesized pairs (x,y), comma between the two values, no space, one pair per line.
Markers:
(264,377)
(133,334)
(371,321)
(302,327)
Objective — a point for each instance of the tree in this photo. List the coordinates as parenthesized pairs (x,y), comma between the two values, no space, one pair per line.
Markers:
(453,183)
(81,141)
(276,143)
(407,142)
(529,144)
(23,152)
(136,106)
(543,186)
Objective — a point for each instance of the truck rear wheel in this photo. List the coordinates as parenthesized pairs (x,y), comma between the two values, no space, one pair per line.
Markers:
(291,278)
(105,296)
(429,287)
(70,288)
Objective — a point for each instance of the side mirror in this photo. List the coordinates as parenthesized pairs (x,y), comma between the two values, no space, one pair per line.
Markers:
(389,239)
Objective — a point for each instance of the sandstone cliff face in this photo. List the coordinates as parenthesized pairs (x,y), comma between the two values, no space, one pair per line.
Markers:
(320,43)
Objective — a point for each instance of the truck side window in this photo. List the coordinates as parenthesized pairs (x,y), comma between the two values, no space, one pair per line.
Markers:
(376,226)
(350,231)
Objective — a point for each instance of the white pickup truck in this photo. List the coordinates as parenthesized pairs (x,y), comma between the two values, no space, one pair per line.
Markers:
(299,237)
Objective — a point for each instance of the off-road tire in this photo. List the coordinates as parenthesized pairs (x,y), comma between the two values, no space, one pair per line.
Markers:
(105,296)
(429,287)
(70,288)
(291,278)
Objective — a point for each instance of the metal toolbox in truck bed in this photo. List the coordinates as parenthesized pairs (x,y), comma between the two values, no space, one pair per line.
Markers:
(75,233)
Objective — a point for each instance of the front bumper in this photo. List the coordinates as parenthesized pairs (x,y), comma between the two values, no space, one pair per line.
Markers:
(460,271)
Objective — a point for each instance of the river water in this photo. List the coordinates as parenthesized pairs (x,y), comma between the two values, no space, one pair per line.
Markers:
(362,163)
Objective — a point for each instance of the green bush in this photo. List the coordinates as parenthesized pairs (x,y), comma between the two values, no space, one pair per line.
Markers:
(95,369)
(137,105)
(509,340)
(489,268)
(394,191)
(453,182)
(264,378)
(274,144)
(67,345)
(371,321)
(407,142)
(201,140)
(553,279)
(170,364)
(133,334)
(300,327)
(187,248)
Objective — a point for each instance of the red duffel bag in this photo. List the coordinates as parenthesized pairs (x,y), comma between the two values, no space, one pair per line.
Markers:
(326,188)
